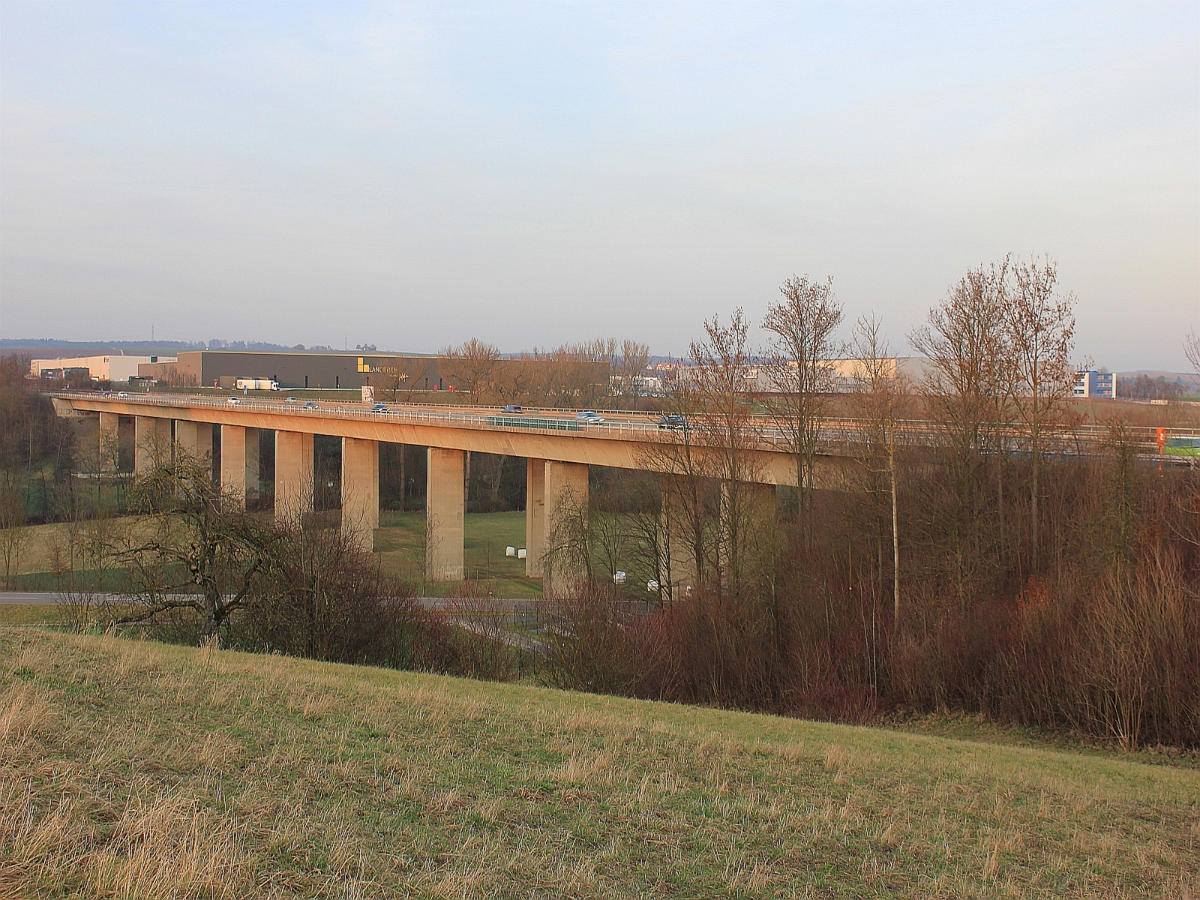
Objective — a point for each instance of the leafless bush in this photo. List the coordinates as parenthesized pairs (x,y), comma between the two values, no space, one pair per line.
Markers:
(590,644)
(484,649)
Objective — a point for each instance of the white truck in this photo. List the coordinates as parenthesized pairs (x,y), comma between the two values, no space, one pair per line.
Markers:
(256,384)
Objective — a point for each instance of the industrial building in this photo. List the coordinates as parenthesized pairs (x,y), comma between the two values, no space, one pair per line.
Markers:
(294,369)
(99,368)
(352,371)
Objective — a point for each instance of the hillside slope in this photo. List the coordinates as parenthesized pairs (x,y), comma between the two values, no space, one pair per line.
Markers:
(138,769)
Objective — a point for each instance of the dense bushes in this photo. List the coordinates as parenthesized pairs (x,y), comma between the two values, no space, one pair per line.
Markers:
(1102,638)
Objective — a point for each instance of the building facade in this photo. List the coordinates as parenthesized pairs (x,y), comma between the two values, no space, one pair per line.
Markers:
(1096,384)
(99,368)
(221,368)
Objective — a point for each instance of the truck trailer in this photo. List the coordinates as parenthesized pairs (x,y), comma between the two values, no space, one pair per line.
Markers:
(256,384)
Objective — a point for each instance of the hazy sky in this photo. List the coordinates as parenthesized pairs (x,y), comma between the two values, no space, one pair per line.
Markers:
(411,175)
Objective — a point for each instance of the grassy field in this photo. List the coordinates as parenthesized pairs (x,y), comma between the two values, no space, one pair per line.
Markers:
(139,769)
(400,542)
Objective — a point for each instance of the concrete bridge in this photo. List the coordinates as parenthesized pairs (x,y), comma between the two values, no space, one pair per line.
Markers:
(558,451)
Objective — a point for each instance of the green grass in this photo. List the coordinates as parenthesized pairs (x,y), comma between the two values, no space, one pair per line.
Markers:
(29,614)
(400,543)
(138,769)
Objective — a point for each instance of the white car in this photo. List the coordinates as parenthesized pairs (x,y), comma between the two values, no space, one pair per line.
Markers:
(233,400)
(589,417)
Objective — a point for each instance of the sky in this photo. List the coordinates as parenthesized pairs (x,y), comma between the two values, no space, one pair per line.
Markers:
(412,175)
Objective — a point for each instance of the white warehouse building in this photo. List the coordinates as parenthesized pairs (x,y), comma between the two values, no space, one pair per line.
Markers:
(100,368)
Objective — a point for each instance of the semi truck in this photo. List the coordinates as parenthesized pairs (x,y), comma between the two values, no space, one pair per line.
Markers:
(256,384)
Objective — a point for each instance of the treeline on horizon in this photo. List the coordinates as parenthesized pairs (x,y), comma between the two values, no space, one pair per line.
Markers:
(996,567)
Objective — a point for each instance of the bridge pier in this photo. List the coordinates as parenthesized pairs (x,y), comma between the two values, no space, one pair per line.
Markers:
(253,444)
(110,431)
(293,475)
(233,464)
(194,438)
(151,443)
(676,529)
(747,518)
(565,561)
(535,516)
(444,502)
(360,491)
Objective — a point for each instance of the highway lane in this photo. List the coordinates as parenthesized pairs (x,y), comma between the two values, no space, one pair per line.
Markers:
(621,424)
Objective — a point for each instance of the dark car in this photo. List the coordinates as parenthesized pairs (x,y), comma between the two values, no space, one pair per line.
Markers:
(674,422)
(308,404)
(512,409)
(379,407)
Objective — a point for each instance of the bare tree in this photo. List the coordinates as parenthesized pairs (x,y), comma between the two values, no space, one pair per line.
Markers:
(801,349)
(723,360)
(967,390)
(878,386)
(567,558)
(569,375)
(686,525)
(633,359)
(1040,337)
(201,551)
(1191,348)
(471,367)
(12,525)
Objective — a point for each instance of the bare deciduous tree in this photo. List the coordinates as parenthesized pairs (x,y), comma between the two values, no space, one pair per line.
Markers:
(801,349)
(967,390)
(1191,348)
(201,552)
(878,387)
(726,429)
(1039,337)
(632,363)
(12,525)
(471,367)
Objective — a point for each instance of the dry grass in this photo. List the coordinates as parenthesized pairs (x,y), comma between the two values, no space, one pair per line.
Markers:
(135,769)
